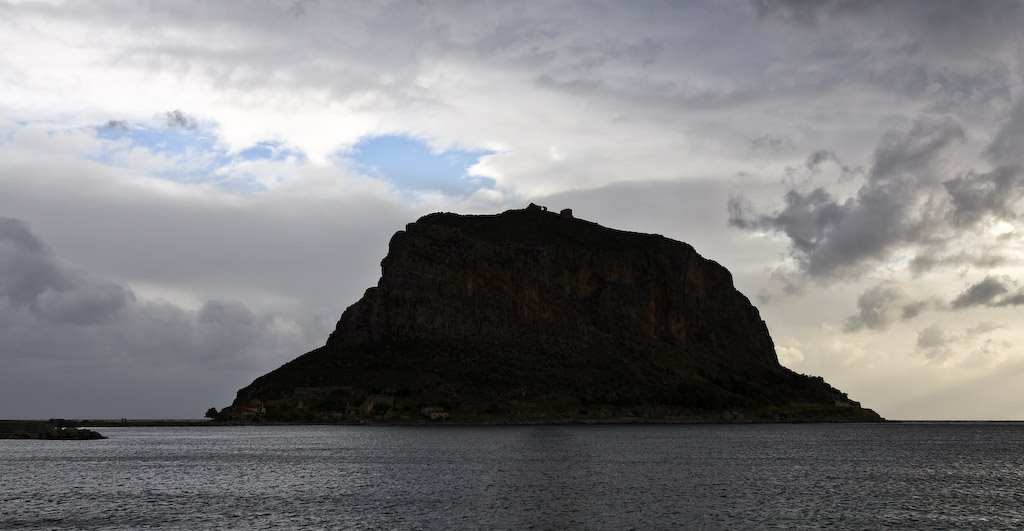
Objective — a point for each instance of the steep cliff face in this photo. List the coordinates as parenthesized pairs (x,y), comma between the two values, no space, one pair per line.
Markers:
(532,315)
(530,276)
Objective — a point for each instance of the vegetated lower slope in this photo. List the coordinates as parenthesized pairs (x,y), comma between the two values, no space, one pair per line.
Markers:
(532,316)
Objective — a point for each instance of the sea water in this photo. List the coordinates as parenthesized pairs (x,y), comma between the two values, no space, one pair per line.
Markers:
(859,476)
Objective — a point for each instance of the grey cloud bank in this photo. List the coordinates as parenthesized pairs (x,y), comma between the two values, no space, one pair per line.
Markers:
(907,202)
(991,291)
(65,333)
(882,305)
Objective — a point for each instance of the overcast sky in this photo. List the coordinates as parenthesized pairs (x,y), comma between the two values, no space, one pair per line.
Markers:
(192,192)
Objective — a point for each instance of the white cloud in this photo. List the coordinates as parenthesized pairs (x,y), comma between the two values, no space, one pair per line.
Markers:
(788,350)
(621,92)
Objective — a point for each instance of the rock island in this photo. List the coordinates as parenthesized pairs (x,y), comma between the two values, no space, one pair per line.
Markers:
(532,316)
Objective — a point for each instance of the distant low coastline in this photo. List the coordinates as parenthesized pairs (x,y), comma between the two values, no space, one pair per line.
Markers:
(171,423)
(39,429)
(162,423)
(143,423)
(730,418)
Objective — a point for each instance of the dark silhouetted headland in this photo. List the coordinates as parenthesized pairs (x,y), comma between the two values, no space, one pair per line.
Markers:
(532,316)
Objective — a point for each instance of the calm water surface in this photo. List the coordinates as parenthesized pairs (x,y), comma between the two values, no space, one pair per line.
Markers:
(596,477)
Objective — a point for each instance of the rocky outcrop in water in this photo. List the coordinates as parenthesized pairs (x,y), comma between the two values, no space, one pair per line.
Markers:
(532,316)
(35,429)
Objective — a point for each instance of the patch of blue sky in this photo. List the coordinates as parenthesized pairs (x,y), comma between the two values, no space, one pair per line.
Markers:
(195,155)
(270,150)
(167,141)
(411,166)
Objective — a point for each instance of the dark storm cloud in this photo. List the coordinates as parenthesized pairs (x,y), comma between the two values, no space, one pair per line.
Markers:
(815,160)
(830,235)
(912,309)
(54,315)
(25,267)
(821,156)
(888,303)
(931,337)
(1006,147)
(995,193)
(178,119)
(935,344)
(951,55)
(911,156)
(904,203)
(979,89)
(809,12)
(39,291)
(808,219)
(770,144)
(992,292)
(1015,299)
(882,305)
(89,303)
(875,309)
(929,259)
(967,25)
(32,280)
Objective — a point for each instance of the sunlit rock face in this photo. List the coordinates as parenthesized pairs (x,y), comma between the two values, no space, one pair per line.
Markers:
(530,315)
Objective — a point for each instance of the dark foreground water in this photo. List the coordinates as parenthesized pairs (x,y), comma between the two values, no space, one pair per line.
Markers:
(596,477)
